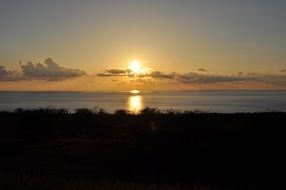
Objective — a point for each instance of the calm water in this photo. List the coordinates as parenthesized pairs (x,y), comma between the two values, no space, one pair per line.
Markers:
(213,101)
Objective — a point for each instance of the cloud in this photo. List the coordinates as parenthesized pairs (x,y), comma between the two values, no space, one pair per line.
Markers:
(240,73)
(115,72)
(6,75)
(202,70)
(106,75)
(240,77)
(49,70)
(128,73)
(192,77)
(161,75)
(145,81)
(268,78)
(198,78)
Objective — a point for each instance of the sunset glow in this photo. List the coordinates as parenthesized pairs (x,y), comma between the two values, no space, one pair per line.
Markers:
(135,66)
(120,45)
(135,91)
(135,104)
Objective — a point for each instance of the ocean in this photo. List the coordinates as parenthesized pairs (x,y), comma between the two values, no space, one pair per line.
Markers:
(208,101)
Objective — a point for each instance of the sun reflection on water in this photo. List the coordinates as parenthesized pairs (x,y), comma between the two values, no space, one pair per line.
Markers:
(135,104)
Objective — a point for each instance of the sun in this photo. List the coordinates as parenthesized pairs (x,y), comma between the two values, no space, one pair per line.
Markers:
(135,66)
(135,91)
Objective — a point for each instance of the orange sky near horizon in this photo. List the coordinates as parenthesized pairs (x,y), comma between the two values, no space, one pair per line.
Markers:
(182,45)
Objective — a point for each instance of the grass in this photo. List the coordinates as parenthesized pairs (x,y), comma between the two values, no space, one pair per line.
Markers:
(38,182)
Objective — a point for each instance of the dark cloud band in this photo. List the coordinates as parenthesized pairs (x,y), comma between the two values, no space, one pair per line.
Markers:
(193,77)
(48,70)
(6,75)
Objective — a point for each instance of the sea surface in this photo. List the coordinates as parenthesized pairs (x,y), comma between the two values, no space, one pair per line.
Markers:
(210,101)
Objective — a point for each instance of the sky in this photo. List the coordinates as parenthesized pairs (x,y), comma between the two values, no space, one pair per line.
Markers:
(181,44)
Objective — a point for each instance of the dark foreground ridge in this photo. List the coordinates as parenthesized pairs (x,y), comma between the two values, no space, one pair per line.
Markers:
(51,148)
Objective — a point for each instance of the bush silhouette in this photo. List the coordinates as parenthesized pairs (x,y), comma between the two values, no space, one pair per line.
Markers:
(211,148)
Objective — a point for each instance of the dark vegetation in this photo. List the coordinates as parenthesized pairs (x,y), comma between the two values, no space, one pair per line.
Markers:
(55,149)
